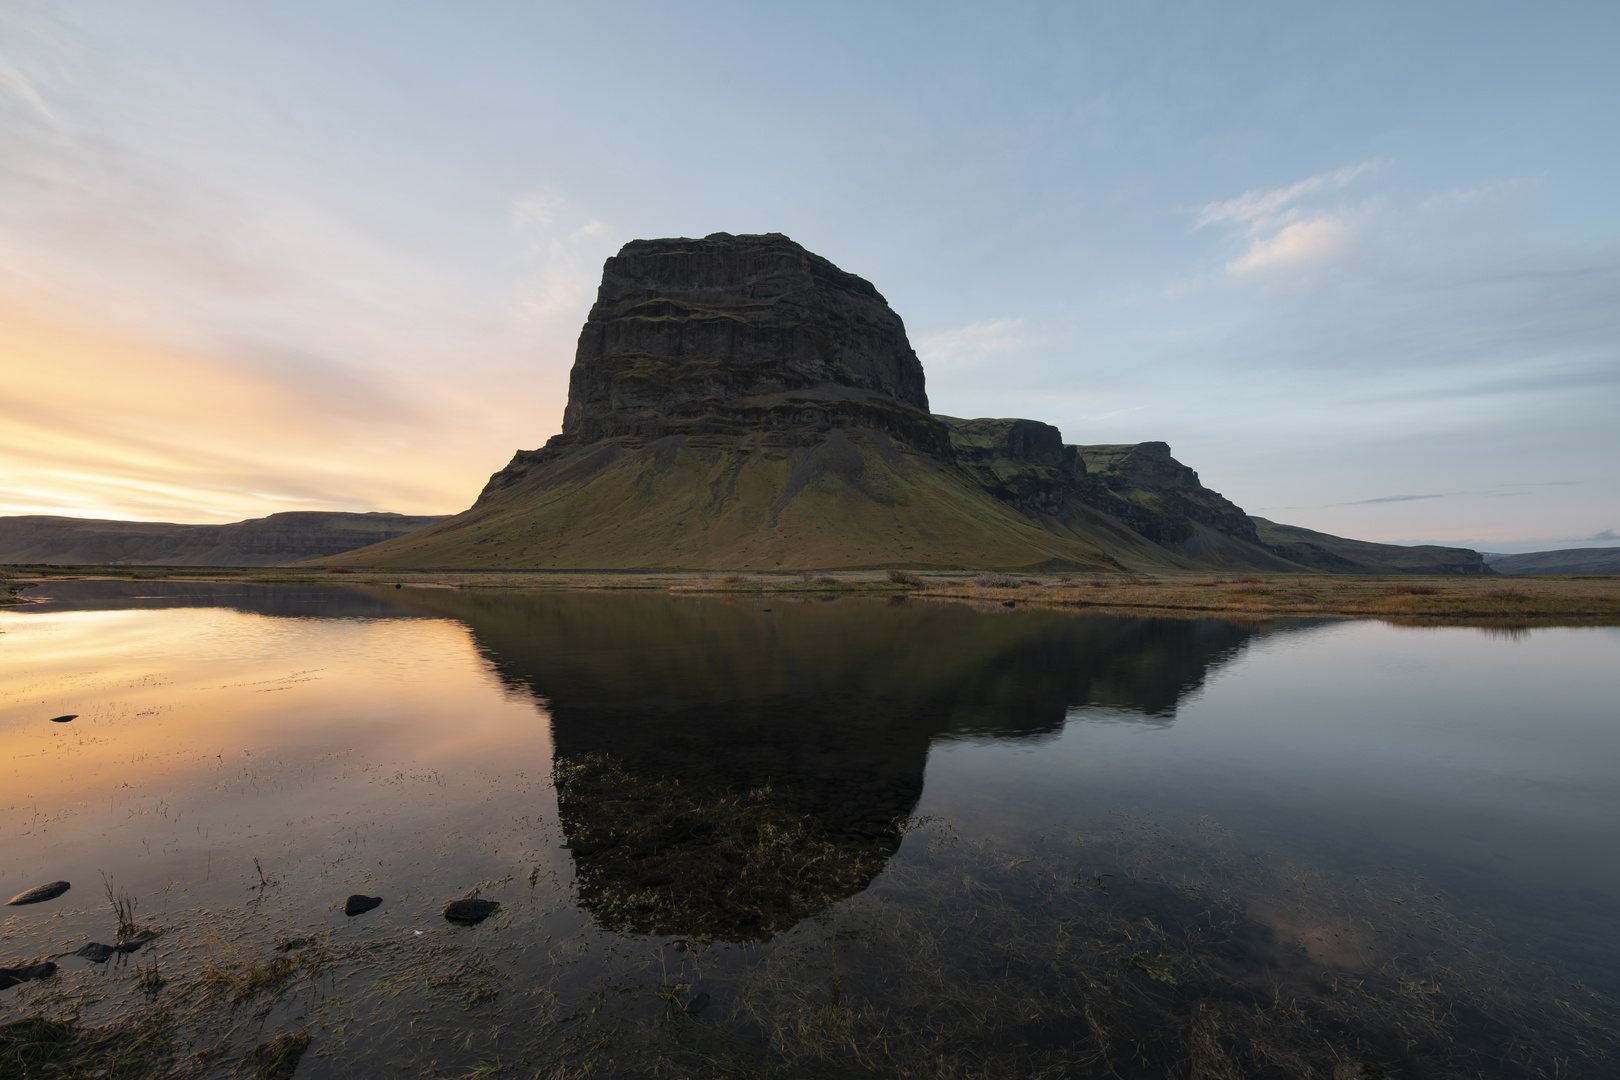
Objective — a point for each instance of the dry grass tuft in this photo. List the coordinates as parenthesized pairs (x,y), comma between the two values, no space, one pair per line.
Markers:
(900,577)
(998,581)
(1411,590)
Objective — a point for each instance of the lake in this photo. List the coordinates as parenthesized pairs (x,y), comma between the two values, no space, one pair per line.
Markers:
(803,836)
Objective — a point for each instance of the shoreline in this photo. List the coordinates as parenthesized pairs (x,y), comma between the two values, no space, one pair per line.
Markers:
(1405,597)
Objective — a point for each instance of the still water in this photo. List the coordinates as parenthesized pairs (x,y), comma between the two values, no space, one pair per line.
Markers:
(810,836)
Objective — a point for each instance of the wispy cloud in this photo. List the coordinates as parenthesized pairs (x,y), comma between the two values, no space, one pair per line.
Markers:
(1281,232)
(16,83)
(564,248)
(973,344)
(1267,206)
(1397,498)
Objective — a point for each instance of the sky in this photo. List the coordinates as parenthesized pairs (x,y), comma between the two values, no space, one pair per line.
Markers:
(1358,264)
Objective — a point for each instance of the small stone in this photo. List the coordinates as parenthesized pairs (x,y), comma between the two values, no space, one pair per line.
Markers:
(95,952)
(359,905)
(470,910)
(1009,603)
(699,1002)
(128,946)
(14,975)
(39,894)
(64,719)
(679,945)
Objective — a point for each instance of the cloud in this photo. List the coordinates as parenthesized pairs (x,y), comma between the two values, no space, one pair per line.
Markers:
(1301,241)
(1398,498)
(970,345)
(1280,232)
(1116,412)
(17,83)
(564,249)
(1266,206)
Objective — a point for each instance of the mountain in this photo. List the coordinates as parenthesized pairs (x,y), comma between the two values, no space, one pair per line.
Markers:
(1570,561)
(1336,555)
(268,541)
(740,403)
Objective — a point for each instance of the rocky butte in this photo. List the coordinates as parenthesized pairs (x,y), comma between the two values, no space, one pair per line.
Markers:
(740,403)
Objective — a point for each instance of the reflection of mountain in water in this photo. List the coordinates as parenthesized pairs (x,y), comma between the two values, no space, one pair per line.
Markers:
(830,705)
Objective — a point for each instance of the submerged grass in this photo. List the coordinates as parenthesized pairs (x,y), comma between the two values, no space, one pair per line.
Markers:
(1134,952)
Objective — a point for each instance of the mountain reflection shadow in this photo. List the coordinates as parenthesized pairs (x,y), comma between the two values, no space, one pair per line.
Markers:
(726,768)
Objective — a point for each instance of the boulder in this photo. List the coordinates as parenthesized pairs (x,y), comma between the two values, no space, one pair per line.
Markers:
(39,894)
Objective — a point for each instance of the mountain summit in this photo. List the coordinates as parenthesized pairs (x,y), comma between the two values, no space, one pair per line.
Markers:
(740,403)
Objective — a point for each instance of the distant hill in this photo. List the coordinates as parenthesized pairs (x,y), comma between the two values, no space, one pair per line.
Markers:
(291,537)
(740,403)
(1336,555)
(1571,561)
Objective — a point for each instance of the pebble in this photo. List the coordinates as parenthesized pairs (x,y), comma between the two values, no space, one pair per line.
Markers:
(96,952)
(470,910)
(359,904)
(64,719)
(39,894)
(1009,603)
(15,975)
(698,1003)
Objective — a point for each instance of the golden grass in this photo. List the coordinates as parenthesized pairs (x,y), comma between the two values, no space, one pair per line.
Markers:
(1406,596)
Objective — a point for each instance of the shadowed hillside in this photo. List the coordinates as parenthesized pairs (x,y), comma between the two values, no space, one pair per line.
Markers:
(268,541)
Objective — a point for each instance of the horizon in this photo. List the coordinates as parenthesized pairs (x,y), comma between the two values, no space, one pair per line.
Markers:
(1361,270)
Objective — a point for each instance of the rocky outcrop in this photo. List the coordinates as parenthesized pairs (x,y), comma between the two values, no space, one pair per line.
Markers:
(732,335)
(1337,555)
(290,537)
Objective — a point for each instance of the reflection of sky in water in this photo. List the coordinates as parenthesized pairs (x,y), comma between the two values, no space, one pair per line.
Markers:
(398,747)
(1484,763)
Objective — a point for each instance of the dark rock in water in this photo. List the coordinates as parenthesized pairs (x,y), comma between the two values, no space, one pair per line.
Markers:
(359,905)
(39,894)
(1009,603)
(679,945)
(64,719)
(470,910)
(98,953)
(278,1058)
(14,975)
(698,1003)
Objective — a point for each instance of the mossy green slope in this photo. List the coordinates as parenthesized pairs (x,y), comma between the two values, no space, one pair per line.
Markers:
(856,498)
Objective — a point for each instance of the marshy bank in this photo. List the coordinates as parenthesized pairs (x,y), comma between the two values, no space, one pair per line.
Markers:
(1539,598)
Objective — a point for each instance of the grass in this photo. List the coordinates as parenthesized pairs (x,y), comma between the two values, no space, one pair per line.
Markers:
(1422,598)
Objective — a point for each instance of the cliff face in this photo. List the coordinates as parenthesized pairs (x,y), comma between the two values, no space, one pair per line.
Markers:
(733,335)
(739,403)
